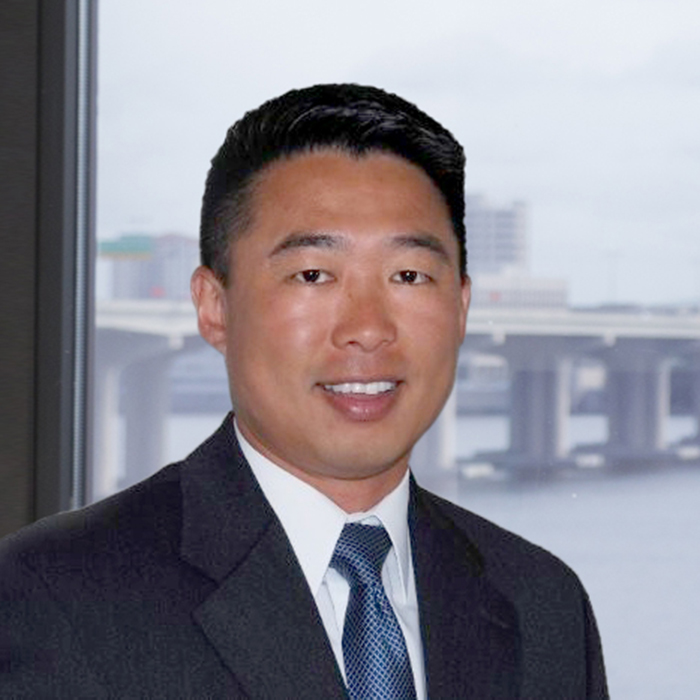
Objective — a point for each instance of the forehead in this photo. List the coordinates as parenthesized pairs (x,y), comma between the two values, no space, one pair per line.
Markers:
(331,187)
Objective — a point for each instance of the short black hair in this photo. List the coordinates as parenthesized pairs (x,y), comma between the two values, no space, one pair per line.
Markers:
(352,118)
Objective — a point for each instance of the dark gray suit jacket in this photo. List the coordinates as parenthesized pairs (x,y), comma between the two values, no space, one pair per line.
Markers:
(185,586)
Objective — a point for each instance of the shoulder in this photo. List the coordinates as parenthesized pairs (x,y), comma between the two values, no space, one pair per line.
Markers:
(136,523)
(84,594)
(67,579)
(559,640)
(136,526)
(517,566)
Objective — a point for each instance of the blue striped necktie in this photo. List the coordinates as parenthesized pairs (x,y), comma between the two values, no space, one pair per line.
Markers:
(377,665)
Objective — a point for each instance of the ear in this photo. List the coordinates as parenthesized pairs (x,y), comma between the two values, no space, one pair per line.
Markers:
(466,295)
(209,297)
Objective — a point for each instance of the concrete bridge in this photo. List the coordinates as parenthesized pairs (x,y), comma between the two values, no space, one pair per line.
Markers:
(136,340)
(637,349)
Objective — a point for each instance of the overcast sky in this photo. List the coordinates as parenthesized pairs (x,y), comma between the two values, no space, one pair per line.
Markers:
(590,112)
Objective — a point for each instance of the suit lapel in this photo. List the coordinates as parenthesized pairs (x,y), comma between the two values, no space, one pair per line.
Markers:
(469,629)
(261,618)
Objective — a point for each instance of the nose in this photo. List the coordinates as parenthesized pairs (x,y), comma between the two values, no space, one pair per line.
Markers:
(364,319)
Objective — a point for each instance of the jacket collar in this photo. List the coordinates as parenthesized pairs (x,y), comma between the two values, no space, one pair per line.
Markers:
(469,628)
(261,618)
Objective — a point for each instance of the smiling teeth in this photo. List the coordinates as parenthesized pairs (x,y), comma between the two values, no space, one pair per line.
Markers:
(370,389)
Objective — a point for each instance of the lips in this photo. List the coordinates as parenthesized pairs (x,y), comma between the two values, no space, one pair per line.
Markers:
(362,401)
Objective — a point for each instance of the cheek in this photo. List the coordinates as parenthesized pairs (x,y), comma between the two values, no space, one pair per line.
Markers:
(301,322)
(435,325)
(275,334)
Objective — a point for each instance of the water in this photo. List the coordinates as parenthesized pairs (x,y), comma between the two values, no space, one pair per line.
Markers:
(633,540)
(474,433)
(483,433)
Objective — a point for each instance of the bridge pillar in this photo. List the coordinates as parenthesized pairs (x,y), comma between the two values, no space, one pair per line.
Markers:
(138,363)
(433,456)
(540,404)
(696,400)
(540,401)
(694,365)
(146,406)
(104,475)
(541,370)
(638,400)
(638,391)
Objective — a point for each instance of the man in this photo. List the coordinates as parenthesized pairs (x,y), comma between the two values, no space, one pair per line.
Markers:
(292,555)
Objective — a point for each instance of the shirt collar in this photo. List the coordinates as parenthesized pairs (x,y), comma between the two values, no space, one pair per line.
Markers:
(313,523)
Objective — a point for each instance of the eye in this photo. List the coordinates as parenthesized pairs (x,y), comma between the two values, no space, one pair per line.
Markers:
(411,277)
(312,277)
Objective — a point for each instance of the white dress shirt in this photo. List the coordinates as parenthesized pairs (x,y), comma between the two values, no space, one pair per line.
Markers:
(313,524)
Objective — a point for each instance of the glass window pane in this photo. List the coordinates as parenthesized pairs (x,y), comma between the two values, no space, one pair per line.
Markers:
(574,421)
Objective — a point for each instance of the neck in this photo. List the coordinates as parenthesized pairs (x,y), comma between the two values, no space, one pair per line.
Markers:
(355,495)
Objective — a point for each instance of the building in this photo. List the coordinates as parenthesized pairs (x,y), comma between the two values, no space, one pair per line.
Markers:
(496,237)
(140,266)
(513,290)
(499,262)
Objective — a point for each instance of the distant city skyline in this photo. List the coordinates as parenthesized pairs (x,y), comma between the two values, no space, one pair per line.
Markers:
(588,112)
(137,265)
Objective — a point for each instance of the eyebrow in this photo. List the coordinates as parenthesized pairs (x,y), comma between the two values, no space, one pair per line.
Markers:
(422,240)
(303,239)
(308,240)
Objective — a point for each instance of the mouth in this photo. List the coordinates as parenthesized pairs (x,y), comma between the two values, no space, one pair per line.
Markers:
(361,388)
(363,402)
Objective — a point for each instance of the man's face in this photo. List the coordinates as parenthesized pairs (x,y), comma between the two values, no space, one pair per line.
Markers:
(343,314)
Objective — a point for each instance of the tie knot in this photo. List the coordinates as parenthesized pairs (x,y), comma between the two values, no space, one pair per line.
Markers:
(360,553)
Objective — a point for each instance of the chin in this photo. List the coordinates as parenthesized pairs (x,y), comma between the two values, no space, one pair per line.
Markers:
(364,463)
